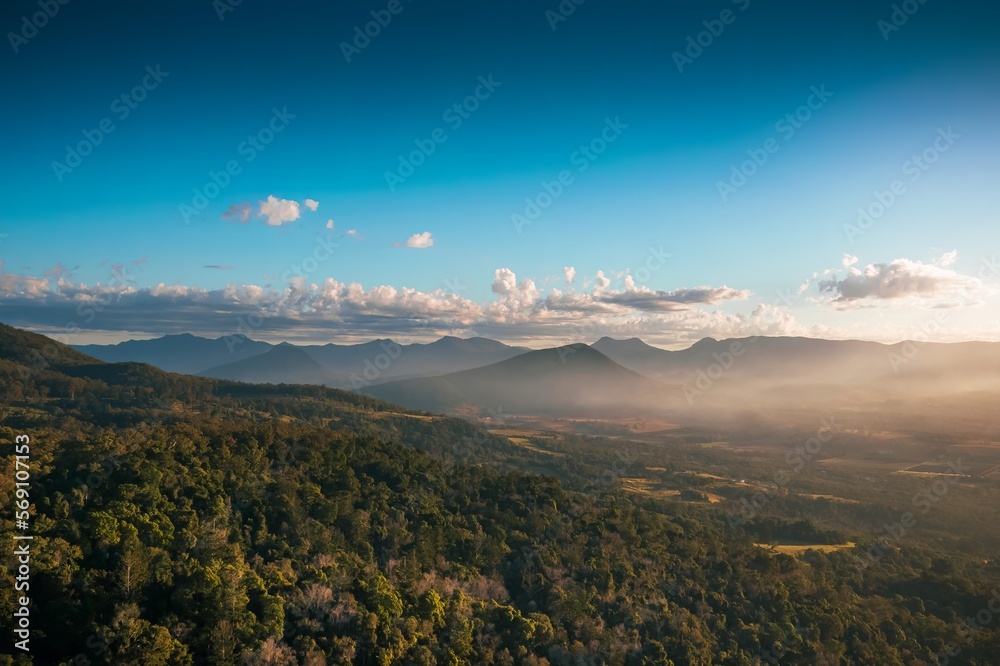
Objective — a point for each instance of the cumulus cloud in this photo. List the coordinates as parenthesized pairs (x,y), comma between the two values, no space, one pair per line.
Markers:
(601,282)
(311,204)
(241,212)
(901,279)
(518,310)
(279,211)
(351,232)
(329,224)
(947,259)
(570,274)
(419,241)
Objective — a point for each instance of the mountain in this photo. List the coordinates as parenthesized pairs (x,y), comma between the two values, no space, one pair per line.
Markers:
(380,360)
(798,360)
(185,353)
(283,364)
(632,353)
(570,380)
(345,366)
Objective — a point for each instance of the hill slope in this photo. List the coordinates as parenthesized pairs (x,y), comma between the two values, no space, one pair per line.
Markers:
(282,364)
(570,380)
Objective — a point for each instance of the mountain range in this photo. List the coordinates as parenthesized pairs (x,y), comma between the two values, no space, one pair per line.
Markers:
(339,366)
(610,377)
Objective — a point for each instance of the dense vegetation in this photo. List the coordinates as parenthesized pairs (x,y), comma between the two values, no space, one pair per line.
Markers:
(181,520)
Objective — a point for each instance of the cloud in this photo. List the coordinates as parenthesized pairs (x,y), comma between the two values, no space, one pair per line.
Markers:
(419,241)
(329,224)
(240,212)
(351,232)
(901,279)
(947,259)
(311,204)
(601,282)
(664,301)
(518,310)
(219,267)
(570,274)
(279,211)
(57,271)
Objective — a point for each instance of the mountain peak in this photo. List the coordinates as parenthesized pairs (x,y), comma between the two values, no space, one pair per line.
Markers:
(478,344)
(621,342)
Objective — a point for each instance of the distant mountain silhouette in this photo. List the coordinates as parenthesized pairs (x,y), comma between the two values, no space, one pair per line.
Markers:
(570,380)
(632,353)
(380,360)
(798,360)
(184,353)
(779,369)
(345,366)
(283,364)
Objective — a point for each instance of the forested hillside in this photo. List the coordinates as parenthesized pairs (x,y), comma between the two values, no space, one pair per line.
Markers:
(181,520)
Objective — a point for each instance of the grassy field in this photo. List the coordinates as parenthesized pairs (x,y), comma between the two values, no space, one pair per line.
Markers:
(798,549)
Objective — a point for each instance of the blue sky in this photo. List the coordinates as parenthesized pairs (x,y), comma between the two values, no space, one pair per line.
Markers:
(889,91)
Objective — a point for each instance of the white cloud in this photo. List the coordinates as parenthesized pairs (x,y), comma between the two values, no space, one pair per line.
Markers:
(311,204)
(601,282)
(902,279)
(518,310)
(570,274)
(947,259)
(279,211)
(351,232)
(329,224)
(419,241)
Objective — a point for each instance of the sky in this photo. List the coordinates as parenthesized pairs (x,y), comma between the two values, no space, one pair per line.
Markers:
(537,172)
